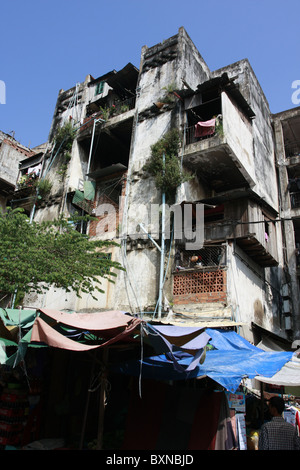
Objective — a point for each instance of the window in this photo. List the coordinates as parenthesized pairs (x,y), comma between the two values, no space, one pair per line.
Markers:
(99,88)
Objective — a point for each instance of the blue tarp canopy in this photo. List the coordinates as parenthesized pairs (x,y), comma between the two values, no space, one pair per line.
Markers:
(232,359)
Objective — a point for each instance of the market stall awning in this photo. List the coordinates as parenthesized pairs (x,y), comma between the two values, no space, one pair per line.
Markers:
(108,327)
(288,376)
(15,331)
(173,340)
(99,321)
(232,359)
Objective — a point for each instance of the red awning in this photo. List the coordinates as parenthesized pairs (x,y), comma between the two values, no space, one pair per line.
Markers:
(99,321)
(109,323)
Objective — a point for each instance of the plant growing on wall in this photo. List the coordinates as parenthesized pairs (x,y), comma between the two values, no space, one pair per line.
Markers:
(169,93)
(219,127)
(63,142)
(164,164)
(43,187)
(105,113)
(114,110)
(64,137)
(35,256)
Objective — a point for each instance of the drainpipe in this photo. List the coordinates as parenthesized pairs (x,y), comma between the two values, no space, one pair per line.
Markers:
(92,143)
(162,252)
(90,156)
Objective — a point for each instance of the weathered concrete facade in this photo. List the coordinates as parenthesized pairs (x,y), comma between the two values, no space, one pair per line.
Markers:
(286,132)
(11,154)
(247,264)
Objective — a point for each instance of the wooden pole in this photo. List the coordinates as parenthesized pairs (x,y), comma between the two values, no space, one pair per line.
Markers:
(102,401)
(262,401)
(87,403)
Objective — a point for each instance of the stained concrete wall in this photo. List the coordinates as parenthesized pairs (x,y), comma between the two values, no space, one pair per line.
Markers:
(286,213)
(238,135)
(171,61)
(253,297)
(10,156)
(263,143)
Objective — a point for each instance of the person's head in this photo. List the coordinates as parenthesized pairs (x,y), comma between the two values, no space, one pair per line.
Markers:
(276,406)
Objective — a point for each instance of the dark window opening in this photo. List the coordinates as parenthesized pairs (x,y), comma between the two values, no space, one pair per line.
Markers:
(209,107)
(213,214)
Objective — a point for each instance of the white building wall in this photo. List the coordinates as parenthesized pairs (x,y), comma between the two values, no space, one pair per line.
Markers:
(246,290)
(238,134)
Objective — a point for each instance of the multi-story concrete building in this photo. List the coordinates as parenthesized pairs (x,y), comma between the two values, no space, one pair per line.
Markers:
(11,154)
(286,133)
(245,274)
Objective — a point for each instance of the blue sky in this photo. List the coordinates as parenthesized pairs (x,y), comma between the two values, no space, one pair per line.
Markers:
(49,45)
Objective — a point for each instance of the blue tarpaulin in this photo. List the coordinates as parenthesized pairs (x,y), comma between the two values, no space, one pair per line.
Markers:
(233,359)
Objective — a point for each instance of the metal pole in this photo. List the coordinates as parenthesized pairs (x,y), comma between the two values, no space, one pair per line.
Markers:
(89,160)
(162,252)
(92,143)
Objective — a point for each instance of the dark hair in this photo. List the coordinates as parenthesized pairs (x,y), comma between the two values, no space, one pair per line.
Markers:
(278,403)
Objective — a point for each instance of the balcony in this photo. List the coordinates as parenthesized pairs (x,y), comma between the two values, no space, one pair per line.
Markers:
(199,287)
(223,158)
(292,149)
(200,276)
(295,200)
(246,222)
(108,112)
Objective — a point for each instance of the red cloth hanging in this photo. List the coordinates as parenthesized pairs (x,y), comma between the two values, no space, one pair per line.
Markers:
(204,128)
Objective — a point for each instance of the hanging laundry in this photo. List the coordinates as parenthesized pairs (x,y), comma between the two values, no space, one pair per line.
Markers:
(205,128)
(35,169)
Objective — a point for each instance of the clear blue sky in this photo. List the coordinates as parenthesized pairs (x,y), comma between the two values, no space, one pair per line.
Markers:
(49,45)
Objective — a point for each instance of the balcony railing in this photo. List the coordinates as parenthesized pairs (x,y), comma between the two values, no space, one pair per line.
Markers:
(210,256)
(200,276)
(191,136)
(295,199)
(292,149)
(199,286)
(108,112)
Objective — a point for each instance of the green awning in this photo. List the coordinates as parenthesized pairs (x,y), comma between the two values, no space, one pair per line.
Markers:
(89,190)
(79,200)
(12,320)
(15,316)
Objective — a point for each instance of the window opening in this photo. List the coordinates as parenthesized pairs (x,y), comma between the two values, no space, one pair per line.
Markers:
(99,88)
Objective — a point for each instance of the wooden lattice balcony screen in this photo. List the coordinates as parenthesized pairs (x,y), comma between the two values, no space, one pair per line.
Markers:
(199,286)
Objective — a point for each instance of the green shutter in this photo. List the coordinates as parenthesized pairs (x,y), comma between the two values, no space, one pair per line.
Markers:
(99,88)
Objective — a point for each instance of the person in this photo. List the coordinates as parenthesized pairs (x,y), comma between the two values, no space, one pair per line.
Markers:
(277,434)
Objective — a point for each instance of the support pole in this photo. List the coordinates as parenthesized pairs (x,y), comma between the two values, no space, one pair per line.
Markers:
(102,401)
(162,252)
(262,400)
(92,143)
(91,147)
(87,404)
